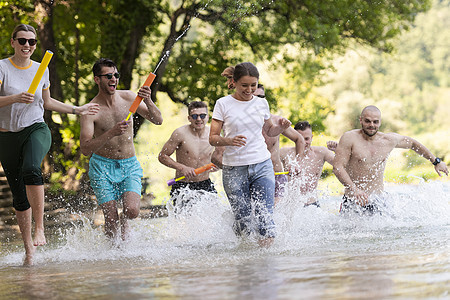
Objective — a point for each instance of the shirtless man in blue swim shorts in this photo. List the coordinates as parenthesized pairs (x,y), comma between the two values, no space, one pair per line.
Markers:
(114,171)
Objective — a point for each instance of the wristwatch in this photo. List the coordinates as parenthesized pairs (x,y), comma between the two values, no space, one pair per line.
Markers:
(436,161)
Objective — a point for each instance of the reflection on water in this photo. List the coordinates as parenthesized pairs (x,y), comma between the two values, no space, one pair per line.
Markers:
(317,254)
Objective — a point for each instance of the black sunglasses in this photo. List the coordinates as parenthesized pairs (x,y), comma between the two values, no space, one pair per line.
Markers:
(195,116)
(261,96)
(110,75)
(23,41)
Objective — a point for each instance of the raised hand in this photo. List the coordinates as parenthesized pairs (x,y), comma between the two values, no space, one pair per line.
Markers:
(120,128)
(88,109)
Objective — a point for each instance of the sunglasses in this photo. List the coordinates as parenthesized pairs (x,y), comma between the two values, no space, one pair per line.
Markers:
(195,116)
(261,96)
(110,75)
(23,41)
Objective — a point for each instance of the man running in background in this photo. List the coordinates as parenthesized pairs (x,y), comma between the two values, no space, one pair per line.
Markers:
(306,170)
(361,157)
(192,149)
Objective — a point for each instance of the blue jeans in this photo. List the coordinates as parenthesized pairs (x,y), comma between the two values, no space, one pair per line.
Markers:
(251,187)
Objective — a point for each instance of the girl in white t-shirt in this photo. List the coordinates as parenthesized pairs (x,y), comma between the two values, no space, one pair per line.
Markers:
(248,176)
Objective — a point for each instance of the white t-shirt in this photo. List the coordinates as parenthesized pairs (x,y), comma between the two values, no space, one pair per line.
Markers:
(243,118)
(15,80)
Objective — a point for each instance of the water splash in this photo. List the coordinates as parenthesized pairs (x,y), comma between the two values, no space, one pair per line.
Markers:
(204,229)
(161,60)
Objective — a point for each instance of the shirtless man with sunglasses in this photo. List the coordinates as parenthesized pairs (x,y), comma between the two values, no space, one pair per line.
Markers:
(192,149)
(114,171)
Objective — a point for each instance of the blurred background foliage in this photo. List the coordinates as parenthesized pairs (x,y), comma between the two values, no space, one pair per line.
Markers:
(320,61)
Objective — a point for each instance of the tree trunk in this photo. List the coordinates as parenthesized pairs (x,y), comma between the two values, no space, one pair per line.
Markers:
(46,36)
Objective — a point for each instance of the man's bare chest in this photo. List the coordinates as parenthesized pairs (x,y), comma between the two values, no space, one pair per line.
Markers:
(198,147)
(108,118)
(371,153)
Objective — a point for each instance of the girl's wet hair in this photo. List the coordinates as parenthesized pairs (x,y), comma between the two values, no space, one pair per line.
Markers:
(228,73)
(240,70)
(245,69)
(23,27)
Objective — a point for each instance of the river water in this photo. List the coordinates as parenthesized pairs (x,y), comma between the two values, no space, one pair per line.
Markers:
(318,254)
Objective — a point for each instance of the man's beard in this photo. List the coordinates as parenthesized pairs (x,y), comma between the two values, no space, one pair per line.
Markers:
(370,134)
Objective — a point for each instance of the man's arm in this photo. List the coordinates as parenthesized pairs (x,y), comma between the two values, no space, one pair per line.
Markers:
(328,156)
(328,152)
(298,139)
(147,108)
(88,143)
(217,155)
(168,149)
(273,129)
(341,159)
(406,142)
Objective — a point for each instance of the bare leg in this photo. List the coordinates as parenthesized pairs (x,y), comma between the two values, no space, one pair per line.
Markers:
(276,200)
(265,242)
(131,208)
(111,218)
(35,195)
(24,221)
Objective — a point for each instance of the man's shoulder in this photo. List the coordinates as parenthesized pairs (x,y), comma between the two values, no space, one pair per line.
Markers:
(353,132)
(284,151)
(126,94)
(321,151)
(182,133)
(181,129)
(391,137)
(351,135)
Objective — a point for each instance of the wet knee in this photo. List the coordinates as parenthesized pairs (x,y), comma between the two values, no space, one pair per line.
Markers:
(32,175)
(131,213)
(20,203)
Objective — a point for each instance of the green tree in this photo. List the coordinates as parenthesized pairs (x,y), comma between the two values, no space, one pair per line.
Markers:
(198,39)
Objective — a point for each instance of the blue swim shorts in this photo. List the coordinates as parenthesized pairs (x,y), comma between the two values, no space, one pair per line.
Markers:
(110,178)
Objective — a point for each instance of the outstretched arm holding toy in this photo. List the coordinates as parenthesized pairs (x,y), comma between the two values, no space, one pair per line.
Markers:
(148,109)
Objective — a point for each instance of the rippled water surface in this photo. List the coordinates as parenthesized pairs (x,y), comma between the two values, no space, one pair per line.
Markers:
(403,253)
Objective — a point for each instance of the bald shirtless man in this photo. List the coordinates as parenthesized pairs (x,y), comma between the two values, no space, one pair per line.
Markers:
(191,146)
(361,157)
(307,170)
(114,171)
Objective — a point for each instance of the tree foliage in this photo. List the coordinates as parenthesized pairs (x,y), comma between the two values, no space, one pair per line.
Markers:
(194,41)
(411,86)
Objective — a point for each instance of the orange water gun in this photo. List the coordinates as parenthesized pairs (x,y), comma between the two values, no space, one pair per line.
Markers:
(138,99)
(197,171)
